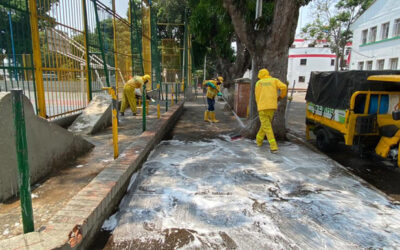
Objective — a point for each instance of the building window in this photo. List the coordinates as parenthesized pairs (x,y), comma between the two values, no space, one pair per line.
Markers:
(303,61)
(369,65)
(385,31)
(332,62)
(396,27)
(380,64)
(302,78)
(360,65)
(364,36)
(372,34)
(393,63)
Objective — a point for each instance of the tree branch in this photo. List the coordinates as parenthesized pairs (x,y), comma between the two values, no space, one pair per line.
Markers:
(243,30)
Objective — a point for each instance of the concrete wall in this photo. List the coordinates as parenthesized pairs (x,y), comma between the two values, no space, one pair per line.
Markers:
(95,117)
(49,146)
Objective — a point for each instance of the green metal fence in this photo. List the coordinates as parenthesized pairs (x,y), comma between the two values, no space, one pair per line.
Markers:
(63,52)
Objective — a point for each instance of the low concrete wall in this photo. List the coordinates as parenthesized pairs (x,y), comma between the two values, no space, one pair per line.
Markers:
(95,117)
(75,225)
(49,146)
(66,121)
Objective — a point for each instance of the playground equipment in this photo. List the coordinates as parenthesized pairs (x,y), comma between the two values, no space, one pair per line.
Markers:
(62,53)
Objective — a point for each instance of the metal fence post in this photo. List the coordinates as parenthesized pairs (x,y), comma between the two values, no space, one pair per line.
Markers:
(101,42)
(115,48)
(144,107)
(158,102)
(87,54)
(172,95)
(114,110)
(37,60)
(166,97)
(22,157)
(177,92)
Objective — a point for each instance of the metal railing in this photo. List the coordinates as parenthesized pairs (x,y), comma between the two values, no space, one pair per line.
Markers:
(62,53)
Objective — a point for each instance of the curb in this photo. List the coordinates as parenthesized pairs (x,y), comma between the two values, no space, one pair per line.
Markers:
(75,225)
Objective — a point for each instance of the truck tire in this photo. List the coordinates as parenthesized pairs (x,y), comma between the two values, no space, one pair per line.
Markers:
(324,141)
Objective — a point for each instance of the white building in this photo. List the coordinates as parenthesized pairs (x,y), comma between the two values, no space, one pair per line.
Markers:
(306,56)
(376,37)
(304,59)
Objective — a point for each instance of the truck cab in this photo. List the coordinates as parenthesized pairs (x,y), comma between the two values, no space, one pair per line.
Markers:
(357,108)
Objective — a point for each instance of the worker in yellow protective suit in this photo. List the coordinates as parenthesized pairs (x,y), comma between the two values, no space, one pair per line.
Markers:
(266,92)
(129,95)
(213,90)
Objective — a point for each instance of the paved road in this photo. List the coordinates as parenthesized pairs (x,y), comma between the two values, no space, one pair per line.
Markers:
(381,175)
(201,190)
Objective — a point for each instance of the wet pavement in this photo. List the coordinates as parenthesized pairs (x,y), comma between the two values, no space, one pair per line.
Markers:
(199,192)
(51,194)
(382,175)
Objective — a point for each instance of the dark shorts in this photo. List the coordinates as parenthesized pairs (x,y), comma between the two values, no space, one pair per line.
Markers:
(211,103)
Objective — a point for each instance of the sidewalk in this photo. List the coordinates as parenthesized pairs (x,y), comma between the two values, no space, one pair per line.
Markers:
(202,190)
(52,194)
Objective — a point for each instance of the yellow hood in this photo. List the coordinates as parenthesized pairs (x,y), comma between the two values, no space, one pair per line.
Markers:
(264,73)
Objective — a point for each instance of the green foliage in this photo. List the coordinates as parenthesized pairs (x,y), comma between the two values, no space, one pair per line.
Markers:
(248,9)
(212,27)
(213,34)
(332,21)
(171,11)
(18,10)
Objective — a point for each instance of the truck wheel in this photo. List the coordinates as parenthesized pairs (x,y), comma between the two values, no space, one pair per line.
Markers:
(324,142)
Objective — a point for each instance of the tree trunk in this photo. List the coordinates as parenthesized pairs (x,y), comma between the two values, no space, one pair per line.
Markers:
(337,60)
(276,62)
(269,49)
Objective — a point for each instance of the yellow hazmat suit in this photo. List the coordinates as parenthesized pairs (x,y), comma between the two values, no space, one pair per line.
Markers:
(213,90)
(129,96)
(266,93)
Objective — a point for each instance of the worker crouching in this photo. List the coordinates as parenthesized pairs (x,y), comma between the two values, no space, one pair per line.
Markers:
(129,95)
(266,92)
(213,90)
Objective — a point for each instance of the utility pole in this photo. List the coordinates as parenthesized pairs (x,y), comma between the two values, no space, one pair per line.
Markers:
(253,65)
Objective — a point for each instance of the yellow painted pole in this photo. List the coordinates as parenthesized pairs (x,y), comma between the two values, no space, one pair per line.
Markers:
(87,57)
(112,92)
(115,47)
(24,66)
(37,60)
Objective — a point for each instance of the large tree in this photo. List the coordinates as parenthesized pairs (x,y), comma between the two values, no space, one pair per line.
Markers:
(332,22)
(213,35)
(268,40)
(212,27)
